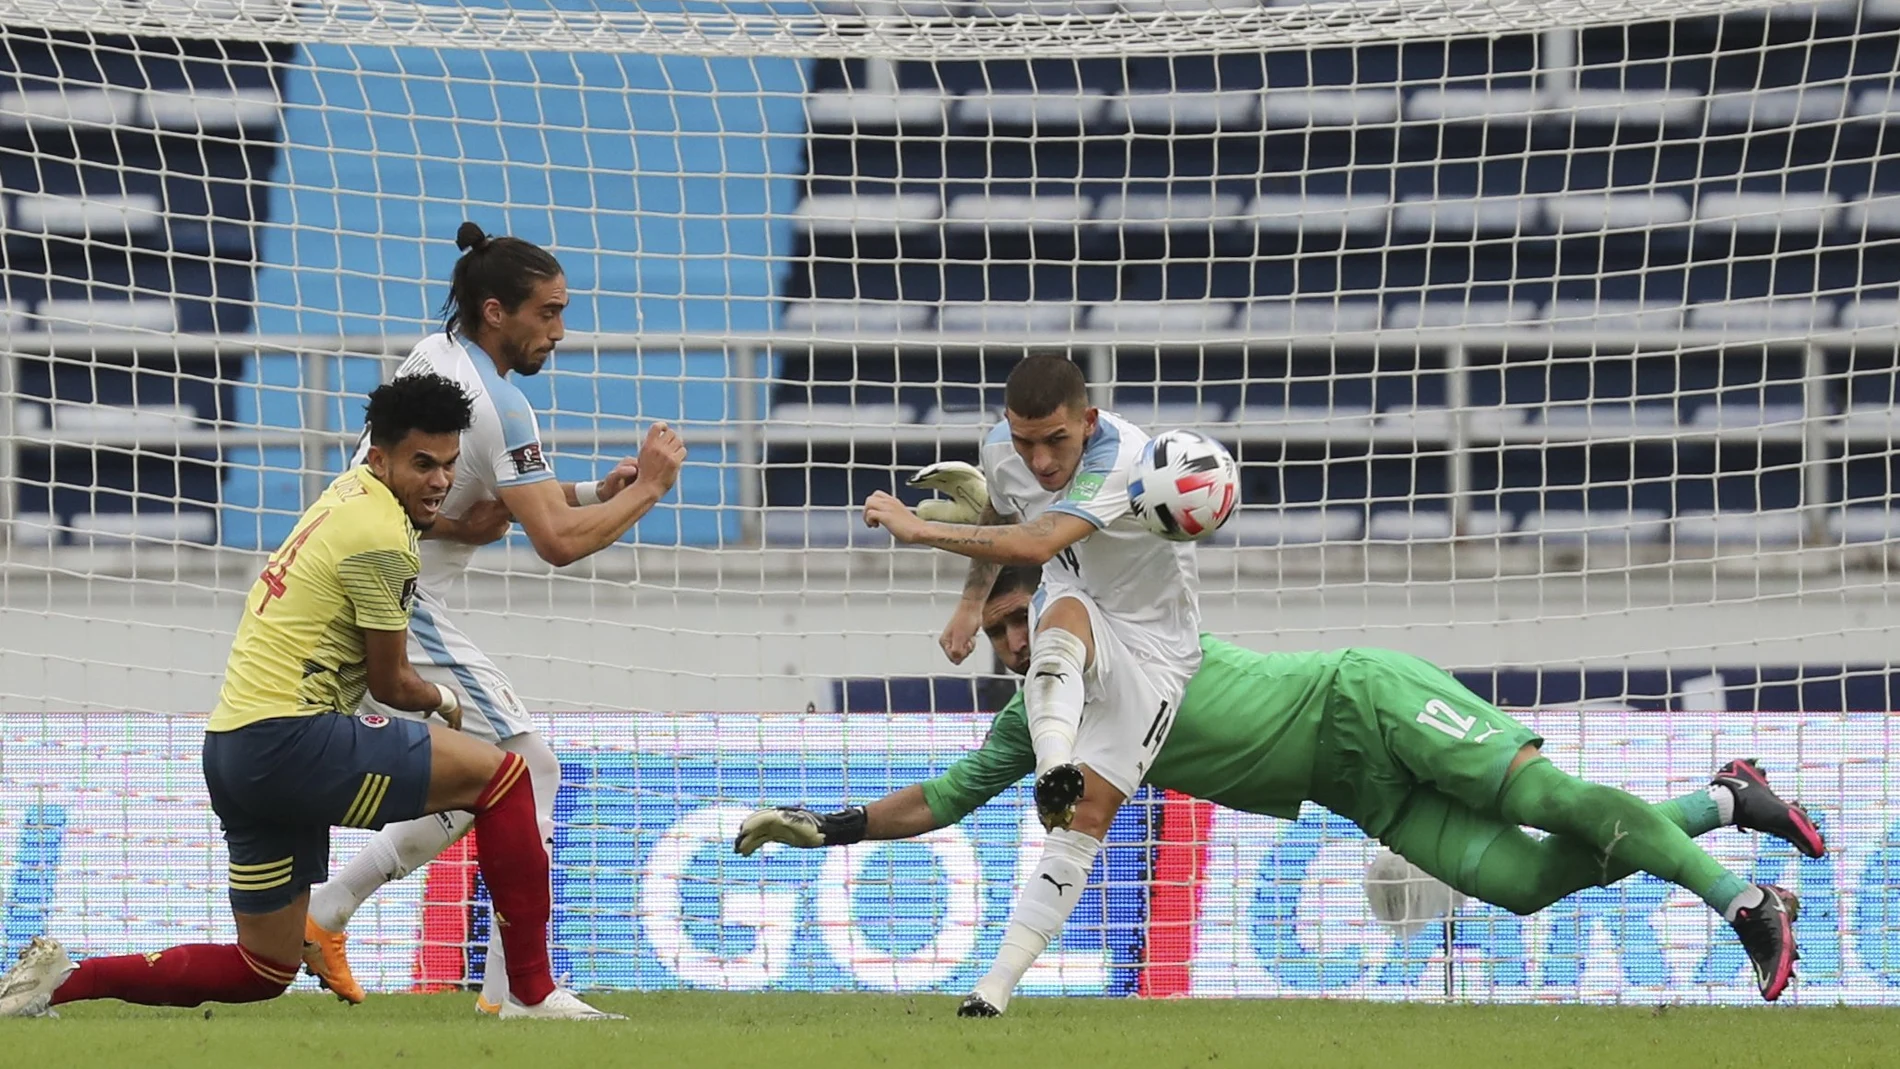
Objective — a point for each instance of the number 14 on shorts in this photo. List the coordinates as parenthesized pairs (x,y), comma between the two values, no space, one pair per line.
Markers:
(1448,720)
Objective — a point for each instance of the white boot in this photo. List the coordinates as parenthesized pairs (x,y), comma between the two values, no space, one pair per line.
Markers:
(562,1005)
(27,989)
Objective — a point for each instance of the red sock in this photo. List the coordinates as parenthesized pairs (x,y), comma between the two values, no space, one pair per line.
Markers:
(514,864)
(180,976)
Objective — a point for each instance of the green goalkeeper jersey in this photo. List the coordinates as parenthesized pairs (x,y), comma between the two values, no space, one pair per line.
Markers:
(1246,737)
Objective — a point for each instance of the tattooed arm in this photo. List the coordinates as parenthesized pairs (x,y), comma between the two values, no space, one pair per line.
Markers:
(958,640)
(1034,542)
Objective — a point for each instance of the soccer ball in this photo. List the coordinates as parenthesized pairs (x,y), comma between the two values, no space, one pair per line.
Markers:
(1185,486)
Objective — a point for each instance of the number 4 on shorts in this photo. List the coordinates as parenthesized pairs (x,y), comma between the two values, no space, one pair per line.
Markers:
(1446,719)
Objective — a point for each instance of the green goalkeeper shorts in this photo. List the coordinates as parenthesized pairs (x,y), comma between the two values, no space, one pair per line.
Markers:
(1396,723)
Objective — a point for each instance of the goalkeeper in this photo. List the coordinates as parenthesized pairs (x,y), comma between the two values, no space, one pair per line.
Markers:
(1400,748)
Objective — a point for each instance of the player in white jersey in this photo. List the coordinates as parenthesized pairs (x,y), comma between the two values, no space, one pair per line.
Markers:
(504,315)
(1116,626)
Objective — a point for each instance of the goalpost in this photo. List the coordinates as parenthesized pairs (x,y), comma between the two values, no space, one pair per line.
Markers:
(1555,340)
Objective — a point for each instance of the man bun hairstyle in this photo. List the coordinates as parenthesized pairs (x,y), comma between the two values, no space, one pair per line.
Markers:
(505,269)
(1043,384)
(428,402)
(1015,579)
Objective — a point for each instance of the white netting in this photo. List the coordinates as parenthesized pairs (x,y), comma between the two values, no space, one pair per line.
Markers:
(909,29)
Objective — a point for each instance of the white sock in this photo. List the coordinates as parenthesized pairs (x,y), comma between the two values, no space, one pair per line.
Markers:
(1054,887)
(1748,899)
(391,854)
(1724,802)
(1053,696)
(544,773)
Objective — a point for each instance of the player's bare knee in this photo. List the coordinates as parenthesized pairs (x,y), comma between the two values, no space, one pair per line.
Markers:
(460,767)
(1100,802)
(276,936)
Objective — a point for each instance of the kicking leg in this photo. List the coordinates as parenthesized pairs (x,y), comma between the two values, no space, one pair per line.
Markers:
(1045,902)
(1060,653)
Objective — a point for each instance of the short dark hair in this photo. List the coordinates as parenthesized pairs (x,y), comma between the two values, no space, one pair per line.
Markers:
(427,402)
(1015,579)
(506,269)
(1043,383)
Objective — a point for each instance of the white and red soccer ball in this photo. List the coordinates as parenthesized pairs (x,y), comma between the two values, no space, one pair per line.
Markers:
(1185,485)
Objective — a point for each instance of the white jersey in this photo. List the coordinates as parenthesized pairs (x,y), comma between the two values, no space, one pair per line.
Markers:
(1133,576)
(501,448)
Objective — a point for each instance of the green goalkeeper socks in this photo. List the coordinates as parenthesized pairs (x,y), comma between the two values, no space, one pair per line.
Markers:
(1624,832)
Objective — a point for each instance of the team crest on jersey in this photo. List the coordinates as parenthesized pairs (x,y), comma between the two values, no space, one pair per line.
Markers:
(528,459)
(1085,487)
(374,720)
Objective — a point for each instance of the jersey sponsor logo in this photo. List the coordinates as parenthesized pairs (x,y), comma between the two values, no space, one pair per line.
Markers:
(528,459)
(374,720)
(1085,487)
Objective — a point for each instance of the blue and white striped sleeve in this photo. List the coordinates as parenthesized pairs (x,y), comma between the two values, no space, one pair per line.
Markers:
(1099,492)
(520,460)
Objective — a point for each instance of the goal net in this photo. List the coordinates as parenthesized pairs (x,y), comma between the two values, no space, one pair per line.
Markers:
(1556,342)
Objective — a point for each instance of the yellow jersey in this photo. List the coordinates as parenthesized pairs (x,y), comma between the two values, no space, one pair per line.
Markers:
(350,566)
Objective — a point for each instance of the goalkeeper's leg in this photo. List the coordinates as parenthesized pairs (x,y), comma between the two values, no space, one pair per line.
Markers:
(1495,862)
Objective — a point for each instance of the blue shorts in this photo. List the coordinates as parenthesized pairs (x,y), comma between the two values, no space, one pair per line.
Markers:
(279,785)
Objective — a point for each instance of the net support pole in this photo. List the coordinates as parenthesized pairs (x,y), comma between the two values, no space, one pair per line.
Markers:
(1458,462)
(748,380)
(1451,960)
(1814,446)
(316,388)
(1101,372)
(9,446)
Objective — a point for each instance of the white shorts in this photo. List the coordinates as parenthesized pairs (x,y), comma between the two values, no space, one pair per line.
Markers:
(440,653)
(1129,694)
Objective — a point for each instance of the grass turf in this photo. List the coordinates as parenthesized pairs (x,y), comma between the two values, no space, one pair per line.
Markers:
(840,1031)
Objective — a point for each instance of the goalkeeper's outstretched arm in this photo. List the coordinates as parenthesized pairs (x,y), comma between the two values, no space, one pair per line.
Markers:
(902,814)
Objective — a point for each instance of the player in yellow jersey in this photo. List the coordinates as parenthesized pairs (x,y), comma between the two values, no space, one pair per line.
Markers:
(284,760)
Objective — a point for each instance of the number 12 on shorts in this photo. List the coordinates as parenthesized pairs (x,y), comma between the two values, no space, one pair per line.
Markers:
(1446,719)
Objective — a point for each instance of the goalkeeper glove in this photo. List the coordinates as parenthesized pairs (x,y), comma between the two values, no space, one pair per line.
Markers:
(800,827)
(967,490)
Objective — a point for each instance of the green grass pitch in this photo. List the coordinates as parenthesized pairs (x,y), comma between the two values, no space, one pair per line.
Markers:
(843,1031)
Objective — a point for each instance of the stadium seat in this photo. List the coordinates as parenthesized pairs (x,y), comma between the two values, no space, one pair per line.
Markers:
(1302,422)
(849,316)
(209,110)
(1767,213)
(1313,316)
(1789,314)
(863,110)
(1296,108)
(1414,315)
(1879,423)
(1158,416)
(1008,317)
(105,528)
(105,316)
(1870,315)
(1740,530)
(1433,525)
(1614,314)
(1606,419)
(88,216)
(73,420)
(1169,111)
(1320,213)
(1168,211)
(1289,527)
(1161,317)
(1720,416)
(1859,525)
(1030,110)
(1627,107)
(844,213)
(820,527)
(1474,105)
(1606,211)
(1778,107)
(821,423)
(1467,215)
(1876,214)
(1595,527)
(79,108)
(1018,211)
